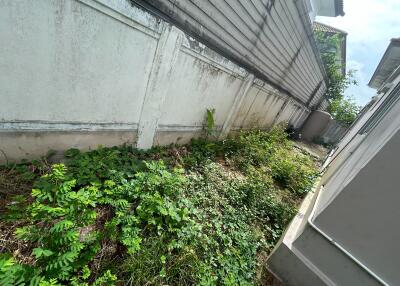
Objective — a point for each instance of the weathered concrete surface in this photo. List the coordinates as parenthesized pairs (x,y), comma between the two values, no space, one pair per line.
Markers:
(333,132)
(315,125)
(33,144)
(199,83)
(233,112)
(65,61)
(93,66)
(167,137)
(163,64)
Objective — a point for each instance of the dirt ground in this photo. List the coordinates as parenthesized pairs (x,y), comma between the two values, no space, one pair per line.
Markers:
(315,150)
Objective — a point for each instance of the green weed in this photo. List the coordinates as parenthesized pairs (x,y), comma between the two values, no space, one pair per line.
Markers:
(202,214)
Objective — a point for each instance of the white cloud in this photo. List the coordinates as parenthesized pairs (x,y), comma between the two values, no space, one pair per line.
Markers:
(370,25)
(360,92)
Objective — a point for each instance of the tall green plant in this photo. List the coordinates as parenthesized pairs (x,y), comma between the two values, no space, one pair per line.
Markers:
(337,81)
(344,110)
(210,121)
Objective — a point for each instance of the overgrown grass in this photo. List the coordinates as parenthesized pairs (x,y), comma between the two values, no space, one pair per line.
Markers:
(207,213)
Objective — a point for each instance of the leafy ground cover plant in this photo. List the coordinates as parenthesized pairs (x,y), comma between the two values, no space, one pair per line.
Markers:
(207,213)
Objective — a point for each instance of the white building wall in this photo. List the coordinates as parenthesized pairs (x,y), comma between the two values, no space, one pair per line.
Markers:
(346,233)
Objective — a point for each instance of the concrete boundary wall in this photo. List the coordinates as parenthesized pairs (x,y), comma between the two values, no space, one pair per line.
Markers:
(334,132)
(83,73)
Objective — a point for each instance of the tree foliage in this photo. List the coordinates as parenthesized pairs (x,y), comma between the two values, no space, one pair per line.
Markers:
(343,109)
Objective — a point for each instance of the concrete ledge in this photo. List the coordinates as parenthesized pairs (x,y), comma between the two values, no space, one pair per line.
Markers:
(285,262)
(304,257)
(290,270)
(17,143)
(33,144)
(168,137)
(30,145)
(328,261)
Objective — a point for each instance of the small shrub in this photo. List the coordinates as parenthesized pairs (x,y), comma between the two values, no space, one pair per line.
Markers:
(56,218)
(231,208)
(210,121)
(292,170)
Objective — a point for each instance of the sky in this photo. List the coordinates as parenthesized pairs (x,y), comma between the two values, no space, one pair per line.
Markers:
(370,25)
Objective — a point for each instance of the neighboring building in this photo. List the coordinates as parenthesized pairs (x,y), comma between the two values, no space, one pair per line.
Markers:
(382,80)
(340,50)
(83,73)
(346,231)
(328,8)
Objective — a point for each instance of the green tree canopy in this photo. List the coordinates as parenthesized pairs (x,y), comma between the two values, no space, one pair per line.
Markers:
(343,109)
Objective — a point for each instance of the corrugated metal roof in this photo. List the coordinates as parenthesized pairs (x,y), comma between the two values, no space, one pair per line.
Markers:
(317,26)
(272,39)
(389,62)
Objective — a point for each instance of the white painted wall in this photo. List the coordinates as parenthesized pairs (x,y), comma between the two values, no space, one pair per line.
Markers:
(348,234)
(86,66)
(196,85)
(260,108)
(334,133)
(66,62)
(359,203)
